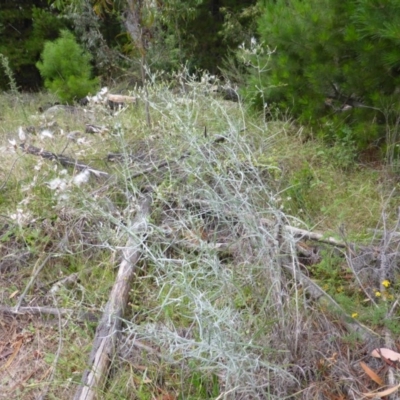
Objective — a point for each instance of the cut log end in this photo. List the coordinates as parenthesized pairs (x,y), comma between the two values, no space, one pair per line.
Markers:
(117,100)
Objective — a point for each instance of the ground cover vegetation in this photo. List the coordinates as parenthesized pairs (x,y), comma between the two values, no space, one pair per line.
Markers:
(261,234)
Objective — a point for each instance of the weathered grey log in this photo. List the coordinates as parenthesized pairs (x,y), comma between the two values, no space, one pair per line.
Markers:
(104,344)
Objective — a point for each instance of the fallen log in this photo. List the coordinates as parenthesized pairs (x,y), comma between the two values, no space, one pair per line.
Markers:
(104,344)
(119,98)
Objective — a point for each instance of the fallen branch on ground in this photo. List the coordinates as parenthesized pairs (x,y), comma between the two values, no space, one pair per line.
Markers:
(321,296)
(37,310)
(63,160)
(162,164)
(313,290)
(299,234)
(104,344)
(68,280)
(308,235)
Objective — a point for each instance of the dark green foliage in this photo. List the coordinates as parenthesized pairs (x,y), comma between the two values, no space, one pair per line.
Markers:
(24,27)
(332,60)
(66,68)
(102,37)
(201,43)
(199,33)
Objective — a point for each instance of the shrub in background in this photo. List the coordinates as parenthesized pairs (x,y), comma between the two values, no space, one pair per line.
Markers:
(24,28)
(198,33)
(66,68)
(333,60)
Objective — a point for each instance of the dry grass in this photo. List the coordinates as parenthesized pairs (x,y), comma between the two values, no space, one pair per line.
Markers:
(213,312)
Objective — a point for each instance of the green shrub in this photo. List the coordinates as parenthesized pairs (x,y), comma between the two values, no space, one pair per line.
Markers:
(332,59)
(24,30)
(66,68)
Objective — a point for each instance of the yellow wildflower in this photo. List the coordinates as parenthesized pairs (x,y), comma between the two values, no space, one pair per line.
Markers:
(386,283)
(354,315)
(378,294)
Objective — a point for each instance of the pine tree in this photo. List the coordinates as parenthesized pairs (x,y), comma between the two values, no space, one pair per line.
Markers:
(24,27)
(66,68)
(333,60)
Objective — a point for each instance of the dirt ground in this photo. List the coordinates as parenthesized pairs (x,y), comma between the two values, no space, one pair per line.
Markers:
(29,345)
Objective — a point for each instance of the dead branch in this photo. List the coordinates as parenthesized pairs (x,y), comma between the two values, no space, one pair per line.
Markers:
(313,290)
(319,237)
(104,344)
(35,310)
(319,294)
(162,164)
(264,222)
(308,252)
(38,310)
(308,235)
(63,160)
(68,280)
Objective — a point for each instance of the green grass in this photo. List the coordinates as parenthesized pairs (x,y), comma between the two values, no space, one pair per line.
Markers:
(212,323)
